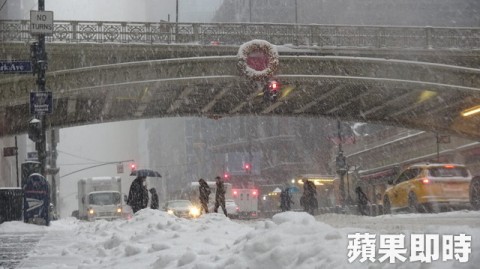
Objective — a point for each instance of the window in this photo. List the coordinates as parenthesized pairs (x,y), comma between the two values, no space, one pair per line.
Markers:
(448,172)
(408,174)
(104,198)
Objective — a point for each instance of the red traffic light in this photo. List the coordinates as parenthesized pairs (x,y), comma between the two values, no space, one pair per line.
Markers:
(274,85)
(226,175)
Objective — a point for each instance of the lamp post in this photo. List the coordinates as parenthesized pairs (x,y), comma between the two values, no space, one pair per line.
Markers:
(341,165)
(176,20)
(250,10)
(296,12)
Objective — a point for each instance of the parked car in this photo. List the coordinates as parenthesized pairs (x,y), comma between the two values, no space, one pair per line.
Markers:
(232,208)
(427,186)
(182,208)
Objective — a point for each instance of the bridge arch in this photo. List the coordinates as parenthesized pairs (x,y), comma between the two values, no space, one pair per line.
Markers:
(410,94)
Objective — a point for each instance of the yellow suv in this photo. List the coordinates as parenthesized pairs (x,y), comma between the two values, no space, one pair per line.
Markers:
(420,187)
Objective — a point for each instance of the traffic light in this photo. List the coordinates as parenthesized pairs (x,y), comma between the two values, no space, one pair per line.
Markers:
(247,167)
(226,176)
(271,90)
(273,86)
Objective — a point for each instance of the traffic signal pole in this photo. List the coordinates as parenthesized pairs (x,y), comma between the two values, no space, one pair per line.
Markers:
(41,56)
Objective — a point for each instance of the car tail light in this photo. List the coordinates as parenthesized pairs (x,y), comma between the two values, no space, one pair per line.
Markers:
(425,181)
(254,192)
(238,209)
(449,166)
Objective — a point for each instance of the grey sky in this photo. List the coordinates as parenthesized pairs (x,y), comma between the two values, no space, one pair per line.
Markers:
(116,10)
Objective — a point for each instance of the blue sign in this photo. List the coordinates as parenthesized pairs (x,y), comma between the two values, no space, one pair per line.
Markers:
(11,67)
(41,103)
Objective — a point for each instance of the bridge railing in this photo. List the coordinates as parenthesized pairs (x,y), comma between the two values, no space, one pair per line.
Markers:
(238,33)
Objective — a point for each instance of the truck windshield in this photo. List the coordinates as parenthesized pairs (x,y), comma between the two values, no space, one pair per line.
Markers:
(104,198)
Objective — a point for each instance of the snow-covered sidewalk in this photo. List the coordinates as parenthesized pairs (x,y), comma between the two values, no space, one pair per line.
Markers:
(154,239)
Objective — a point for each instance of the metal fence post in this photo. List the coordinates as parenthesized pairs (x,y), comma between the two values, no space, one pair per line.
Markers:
(428,37)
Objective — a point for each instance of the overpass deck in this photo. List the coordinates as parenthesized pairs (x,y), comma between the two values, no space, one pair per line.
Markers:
(127,84)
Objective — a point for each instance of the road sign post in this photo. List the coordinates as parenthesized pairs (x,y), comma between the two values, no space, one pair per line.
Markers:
(41,24)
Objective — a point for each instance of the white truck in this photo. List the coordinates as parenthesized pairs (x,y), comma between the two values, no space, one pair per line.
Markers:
(247,201)
(100,198)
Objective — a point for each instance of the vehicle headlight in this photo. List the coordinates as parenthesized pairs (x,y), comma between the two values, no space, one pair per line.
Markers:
(119,210)
(170,212)
(91,211)
(194,211)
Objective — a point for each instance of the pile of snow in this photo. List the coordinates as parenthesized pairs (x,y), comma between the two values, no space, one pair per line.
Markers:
(154,239)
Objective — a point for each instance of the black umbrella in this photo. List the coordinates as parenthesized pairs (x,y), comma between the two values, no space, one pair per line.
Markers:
(145,173)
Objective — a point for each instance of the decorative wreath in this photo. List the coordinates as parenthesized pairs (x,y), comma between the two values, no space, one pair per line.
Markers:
(260,46)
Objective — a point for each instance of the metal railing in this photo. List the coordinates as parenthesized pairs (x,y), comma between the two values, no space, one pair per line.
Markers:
(386,37)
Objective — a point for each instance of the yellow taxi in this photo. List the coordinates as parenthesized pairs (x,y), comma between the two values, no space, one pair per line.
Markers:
(423,187)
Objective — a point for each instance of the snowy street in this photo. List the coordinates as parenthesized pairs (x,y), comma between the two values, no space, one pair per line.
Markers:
(154,239)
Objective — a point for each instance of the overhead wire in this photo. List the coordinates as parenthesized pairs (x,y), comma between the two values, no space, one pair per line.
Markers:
(80,157)
(3,5)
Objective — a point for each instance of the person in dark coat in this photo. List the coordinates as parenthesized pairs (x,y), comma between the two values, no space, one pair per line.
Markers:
(362,201)
(138,194)
(204,191)
(220,196)
(285,200)
(309,197)
(154,199)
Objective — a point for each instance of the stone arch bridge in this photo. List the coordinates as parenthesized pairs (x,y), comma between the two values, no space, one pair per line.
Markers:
(414,77)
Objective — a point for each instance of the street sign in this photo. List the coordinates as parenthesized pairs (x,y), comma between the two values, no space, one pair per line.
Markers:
(9,151)
(120,168)
(41,103)
(32,156)
(41,22)
(11,67)
(443,139)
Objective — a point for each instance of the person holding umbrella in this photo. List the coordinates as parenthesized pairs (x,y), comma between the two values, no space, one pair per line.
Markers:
(138,194)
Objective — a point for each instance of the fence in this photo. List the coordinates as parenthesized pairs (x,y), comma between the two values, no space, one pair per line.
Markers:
(385,37)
